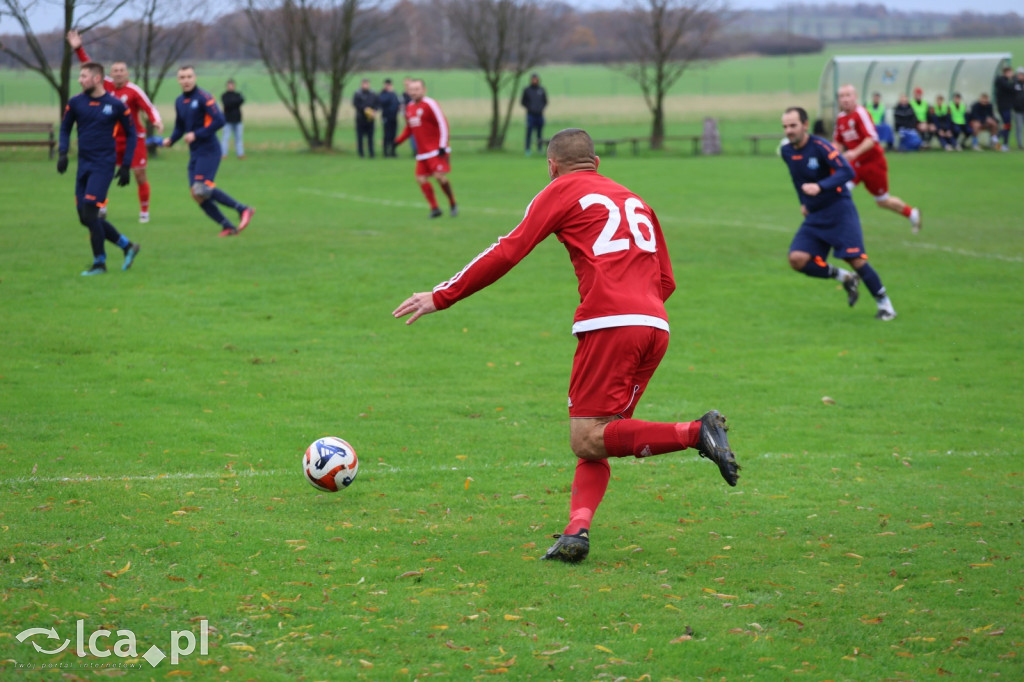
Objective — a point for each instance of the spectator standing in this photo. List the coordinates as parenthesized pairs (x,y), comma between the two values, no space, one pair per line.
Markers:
(232,101)
(1018,106)
(535,100)
(389,106)
(366,104)
(983,117)
(1004,91)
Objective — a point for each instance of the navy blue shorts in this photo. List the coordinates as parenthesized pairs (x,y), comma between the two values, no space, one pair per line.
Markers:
(203,168)
(92,184)
(836,227)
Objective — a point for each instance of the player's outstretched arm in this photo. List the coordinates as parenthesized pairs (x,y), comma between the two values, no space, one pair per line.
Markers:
(417,306)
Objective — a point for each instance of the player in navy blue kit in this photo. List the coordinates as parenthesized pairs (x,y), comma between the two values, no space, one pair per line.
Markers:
(97,114)
(820,175)
(198,120)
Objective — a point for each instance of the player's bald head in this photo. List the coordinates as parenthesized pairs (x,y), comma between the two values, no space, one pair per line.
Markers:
(571,147)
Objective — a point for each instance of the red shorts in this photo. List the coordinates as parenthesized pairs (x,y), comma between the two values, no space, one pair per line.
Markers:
(611,369)
(435,164)
(139,160)
(874,174)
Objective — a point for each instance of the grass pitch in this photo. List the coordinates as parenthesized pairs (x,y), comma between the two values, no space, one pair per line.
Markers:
(152,422)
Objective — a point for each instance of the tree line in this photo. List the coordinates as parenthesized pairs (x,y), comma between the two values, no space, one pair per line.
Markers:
(312,48)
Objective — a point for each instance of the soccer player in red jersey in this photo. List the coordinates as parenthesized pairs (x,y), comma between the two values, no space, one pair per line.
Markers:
(616,246)
(120,86)
(426,124)
(856,137)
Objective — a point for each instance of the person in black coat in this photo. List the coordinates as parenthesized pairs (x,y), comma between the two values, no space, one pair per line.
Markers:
(366,104)
(389,106)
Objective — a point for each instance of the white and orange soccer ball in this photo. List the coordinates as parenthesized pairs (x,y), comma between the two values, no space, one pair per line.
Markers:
(330,464)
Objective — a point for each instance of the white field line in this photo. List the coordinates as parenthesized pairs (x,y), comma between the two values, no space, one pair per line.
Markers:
(666,220)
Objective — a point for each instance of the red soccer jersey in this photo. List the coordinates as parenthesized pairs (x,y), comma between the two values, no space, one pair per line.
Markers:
(615,244)
(426,123)
(132,95)
(854,128)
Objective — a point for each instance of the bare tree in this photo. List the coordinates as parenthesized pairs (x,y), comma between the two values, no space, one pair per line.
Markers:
(664,37)
(310,49)
(504,39)
(85,14)
(164,31)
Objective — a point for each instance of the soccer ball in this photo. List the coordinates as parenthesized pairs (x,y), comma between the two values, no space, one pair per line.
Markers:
(330,464)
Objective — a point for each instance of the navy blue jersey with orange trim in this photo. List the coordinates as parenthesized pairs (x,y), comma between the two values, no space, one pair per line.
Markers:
(97,119)
(197,112)
(818,162)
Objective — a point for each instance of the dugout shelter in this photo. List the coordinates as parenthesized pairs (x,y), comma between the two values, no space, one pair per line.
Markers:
(970,74)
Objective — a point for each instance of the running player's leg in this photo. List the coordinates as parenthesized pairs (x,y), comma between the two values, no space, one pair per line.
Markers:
(202,170)
(423,172)
(808,253)
(139,163)
(876,180)
(848,243)
(440,167)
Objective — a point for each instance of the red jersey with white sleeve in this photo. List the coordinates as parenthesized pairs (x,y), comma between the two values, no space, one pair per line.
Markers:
(133,96)
(426,123)
(615,244)
(855,127)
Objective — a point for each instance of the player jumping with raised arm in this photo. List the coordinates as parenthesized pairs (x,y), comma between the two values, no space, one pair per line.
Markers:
(857,139)
(198,120)
(426,124)
(118,84)
(820,175)
(619,254)
(97,114)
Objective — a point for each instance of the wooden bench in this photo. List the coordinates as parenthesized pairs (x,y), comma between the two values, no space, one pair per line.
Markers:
(611,145)
(28,129)
(755,140)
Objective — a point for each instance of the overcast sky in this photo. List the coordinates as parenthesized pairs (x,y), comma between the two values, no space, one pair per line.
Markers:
(48,14)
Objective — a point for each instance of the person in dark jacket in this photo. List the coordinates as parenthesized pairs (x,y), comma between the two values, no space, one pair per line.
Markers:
(983,117)
(389,106)
(366,104)
(232,101)
(1018,106)
(535,100)
(1003,88)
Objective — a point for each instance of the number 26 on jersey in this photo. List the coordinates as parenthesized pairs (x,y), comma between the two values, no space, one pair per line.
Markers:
(606,241)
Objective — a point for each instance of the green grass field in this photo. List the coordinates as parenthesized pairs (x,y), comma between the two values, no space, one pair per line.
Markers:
(152,423)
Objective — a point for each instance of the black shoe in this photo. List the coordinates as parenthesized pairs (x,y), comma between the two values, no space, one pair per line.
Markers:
(435,213)
(850,284)
(713,443)
(571,549)
(454,212)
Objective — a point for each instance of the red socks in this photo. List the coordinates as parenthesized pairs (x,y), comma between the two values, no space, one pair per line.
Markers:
(588,488)
(144,197)
(625,437)
(428,192)
(906,211)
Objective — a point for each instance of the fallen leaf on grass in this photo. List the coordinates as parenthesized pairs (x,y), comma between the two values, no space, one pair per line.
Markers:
(116,574)
(552,652)
(603,648)
(411,574)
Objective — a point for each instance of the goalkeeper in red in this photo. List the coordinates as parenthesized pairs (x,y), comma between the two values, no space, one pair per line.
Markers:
(616,246)
(426,124)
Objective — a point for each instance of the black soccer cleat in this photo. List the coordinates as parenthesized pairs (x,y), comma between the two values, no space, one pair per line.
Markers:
(436,213)
(571,549)
(713,444)
(850,284)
